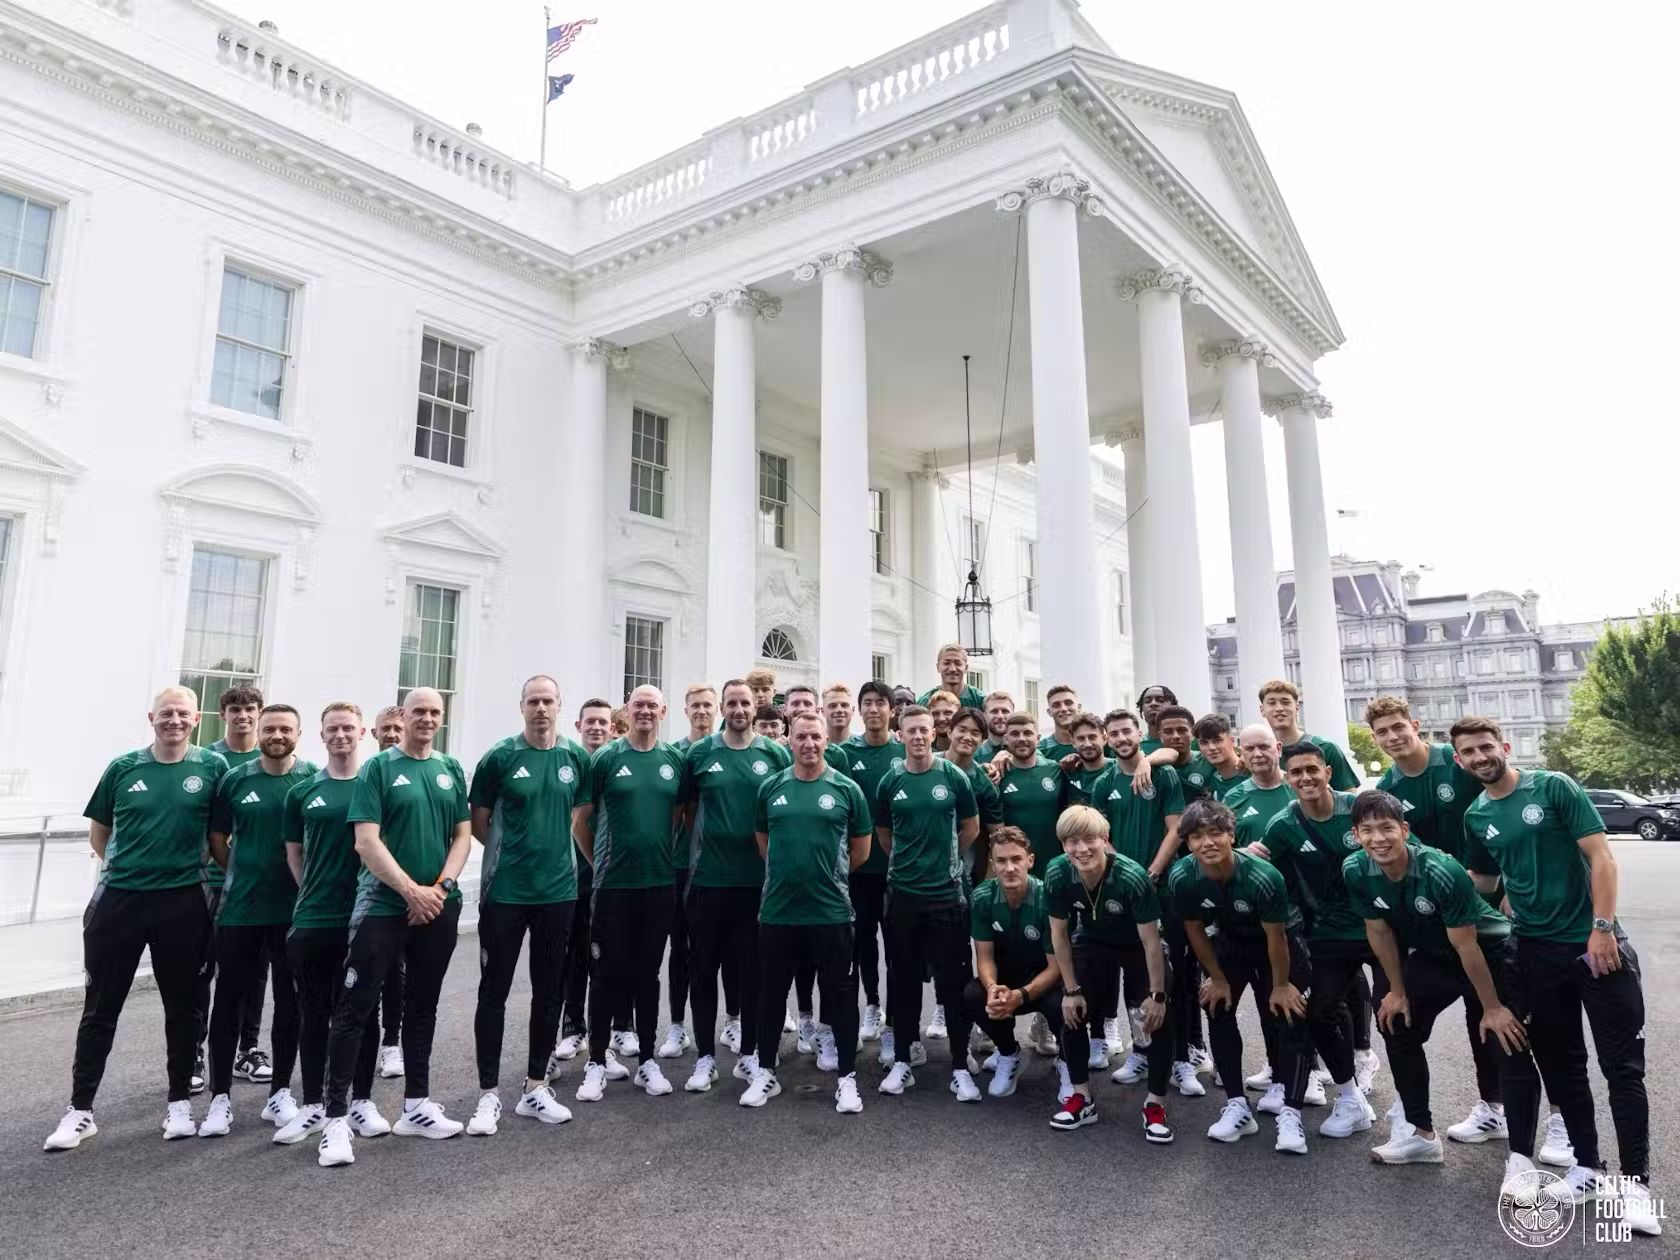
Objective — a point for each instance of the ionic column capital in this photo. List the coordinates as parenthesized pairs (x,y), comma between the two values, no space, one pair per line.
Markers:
(735,298)
(1245,347)
(1314,404)
(1119,437)
(1063,183)
(876,270)
(1172,278)
(597,348)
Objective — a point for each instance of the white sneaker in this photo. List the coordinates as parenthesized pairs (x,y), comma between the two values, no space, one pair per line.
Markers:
(178,1121)
(652,1080)
(1039,1038)
(1185,1080)
(889,1052)
(541,1104)
(1261,1080)
(335,1148)
(989,1064)
(1578,1185)
(1133,1070)
(963,1086)
(309,1119)
(764,1087)
(870,1027)
(594,1082)
(487,1117)
(1365,1065)
(1236,1121)
(703,1077)
(1313,1095)
(1064,1083)
(1005,1070)
(745,1066)
(390,1062)
(1398,1125)
(366,1120)
(1518,1169)
(569,1047)
(847,1100)
(1291,1133)
(1098,1059)
(1113,1037)
(828,1054)
(1555,1148)
(615,1070)
(918,1054)
(77,1127)
(731,1035)
(1483,1124)
(676,1041)
(1406,1147)
(1641,1215)
(624,1041)
(1200,1059)
(1272,1101)
(218,1121)
(281,1108)
(806,1035)
(789,1023)
(898,1080)
(936,1030)
(426,1119)
(1350,1115)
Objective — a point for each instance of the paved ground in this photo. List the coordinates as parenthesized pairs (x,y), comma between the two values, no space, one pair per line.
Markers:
(700,1176)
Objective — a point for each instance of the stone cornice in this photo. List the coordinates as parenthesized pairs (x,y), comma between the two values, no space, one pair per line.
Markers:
(1064,184)
(596,348)
(874,269)
(1171,278)
(1314,404)
(1246,348)
(1118,437)
(735,298)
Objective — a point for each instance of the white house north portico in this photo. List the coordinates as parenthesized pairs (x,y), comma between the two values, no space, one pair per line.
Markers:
(377,404)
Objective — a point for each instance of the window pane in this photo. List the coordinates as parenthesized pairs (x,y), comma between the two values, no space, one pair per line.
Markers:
(222,645)
(20,315)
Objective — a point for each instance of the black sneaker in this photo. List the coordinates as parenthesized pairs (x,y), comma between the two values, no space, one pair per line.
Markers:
(253,1066)
(1075,1113)
(1155,1126)
(195,1085)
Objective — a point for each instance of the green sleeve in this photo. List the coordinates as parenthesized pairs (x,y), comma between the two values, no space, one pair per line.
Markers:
(1145,907)
(1184,904)
(967,806)
(291,818)
(487,780)
(1342,776)
(1172,791)
(1362,905)
(1476,855)
(221,807)
(1579,815)
(987,801)
(597,776)
(1058,894)
(761,805)
(883,801)
(102,805)
(1274,900)
(367,798)
(980,920)
(1456,898)
(862,824)
(463,811)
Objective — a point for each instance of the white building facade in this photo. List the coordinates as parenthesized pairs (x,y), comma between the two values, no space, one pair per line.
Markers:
(302,386)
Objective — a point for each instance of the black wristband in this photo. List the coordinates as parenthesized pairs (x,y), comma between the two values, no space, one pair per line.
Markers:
(1076,991)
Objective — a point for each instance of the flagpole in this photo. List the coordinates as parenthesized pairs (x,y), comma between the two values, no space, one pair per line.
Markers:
(542,157)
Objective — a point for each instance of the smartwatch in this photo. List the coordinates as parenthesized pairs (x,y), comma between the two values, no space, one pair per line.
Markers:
(1159,997)
(448,886)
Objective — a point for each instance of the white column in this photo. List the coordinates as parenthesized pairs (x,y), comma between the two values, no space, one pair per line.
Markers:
(1253,568)
(843,615)
(585,632)
(1139,596)
(1070,607)
(1323,705)
(932,620)
(731,541)
(1175,564)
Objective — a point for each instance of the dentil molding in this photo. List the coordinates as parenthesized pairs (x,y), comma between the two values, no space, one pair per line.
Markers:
(875,269)
(736,298)
(1246,348)
(1064,184)
(1315,404)
(1171,278)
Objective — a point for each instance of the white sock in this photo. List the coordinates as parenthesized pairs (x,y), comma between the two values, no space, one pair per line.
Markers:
(409,1104)
(1347,1089)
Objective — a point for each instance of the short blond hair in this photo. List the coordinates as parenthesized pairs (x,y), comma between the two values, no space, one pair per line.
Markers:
(1080,820)
(348,706)
(1279,684)
(958,648)
(836,689)
(621,720)
(696,689)
(998,695)
(942,694)
(760,677)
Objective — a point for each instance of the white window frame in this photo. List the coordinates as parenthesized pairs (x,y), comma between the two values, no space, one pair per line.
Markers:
(1436,633)
(1031,689)
(209,728)
(1484,663)
(1516,661)
(974,538)
(1356,671)
(1122,614)
(881,665)
(286,353)
(473,410)
(663,470)
(662,626)
(783,526)
(880,531)
(1563,659)
(46,281)
(1029,575)
(1356,634)
(1385,669)
(451,695)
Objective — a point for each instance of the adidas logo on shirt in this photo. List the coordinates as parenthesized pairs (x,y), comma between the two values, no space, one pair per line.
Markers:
(858,765)
(320,802)
(780,800)
(1208,904)
(1405,807)
(1307,846)
(522,773)
(1009,789)
(1381,904)
(623,773)
(1114,794)
(1250,812)
(250,798)
(901,795)
(400,781)
(1492,831)
(715,768)
(139,785)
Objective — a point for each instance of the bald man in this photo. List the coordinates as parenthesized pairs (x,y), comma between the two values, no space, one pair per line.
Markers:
(413,827)
(149,821)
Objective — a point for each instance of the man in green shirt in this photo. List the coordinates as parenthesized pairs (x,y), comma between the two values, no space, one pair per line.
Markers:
(1014,957)
(1280,705)
(1432,788)
(522,797)
(812,828)
(1257,798)
(1247,935)
(865,758)
(413,825)
(1537,830)
(999,707)
(388,733)
(1307,840)
(1215,769)
(1152,701)
(1062,701)
(1033,791)
(926,819)
(321,851)
(722,775)
(246,824)
(623,825)
(1090,757)
(1437,941)
(148,820)
(700,706)
(952,663)
(1105,928)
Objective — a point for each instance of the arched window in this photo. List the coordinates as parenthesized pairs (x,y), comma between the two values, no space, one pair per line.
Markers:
(777,646)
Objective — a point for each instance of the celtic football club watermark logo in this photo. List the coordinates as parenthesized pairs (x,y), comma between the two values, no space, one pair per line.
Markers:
(1529,1213)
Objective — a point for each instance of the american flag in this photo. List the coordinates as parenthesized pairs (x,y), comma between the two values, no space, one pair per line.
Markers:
(565,35)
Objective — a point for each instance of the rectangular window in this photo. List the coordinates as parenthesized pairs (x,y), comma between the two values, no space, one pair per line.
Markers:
(1120,601)
(772,499)
(1029,697)
(25,246)
(878,667)
(1439,666)
(1356,671)
(644,653)
(1557,707)
(1385,669)
(226,598)
(1484,662)
(1356,710)
(1496,623)
(1516,661)
(1522,704)
(1563,659)
(253,344)
(650,435)
(974,678)
(974,536)
(1029,574)
(1356,635)
(878,532)
(430,627)
(1437,632)
(1458,667)
(1230,682)
(446,371)
(1525,744)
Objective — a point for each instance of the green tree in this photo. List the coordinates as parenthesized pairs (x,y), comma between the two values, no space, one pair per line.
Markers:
(1635,671)
(1601,752)
(1365,750)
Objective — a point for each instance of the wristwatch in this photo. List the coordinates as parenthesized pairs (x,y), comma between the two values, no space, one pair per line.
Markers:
(1159,997)
(1076,991)
(448,886)
(1604,925)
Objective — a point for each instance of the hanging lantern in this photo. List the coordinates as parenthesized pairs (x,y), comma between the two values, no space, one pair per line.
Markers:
(974,619)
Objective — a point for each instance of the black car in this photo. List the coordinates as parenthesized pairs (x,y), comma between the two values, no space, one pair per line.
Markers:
(1627,814)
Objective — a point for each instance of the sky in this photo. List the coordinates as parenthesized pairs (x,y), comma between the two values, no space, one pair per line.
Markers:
(1484,188)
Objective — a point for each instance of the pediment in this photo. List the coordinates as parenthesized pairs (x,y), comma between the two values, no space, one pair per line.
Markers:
(446,531)
(244,488)
(653,572)
(22,451)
